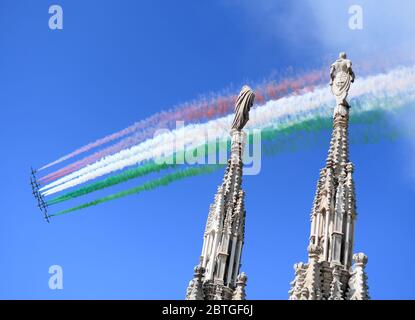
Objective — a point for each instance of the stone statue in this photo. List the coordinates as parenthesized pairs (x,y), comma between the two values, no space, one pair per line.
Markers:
(243,104)
(341,76)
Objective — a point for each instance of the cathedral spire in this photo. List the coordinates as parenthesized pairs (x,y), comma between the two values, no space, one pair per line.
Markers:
(225,227)
(334,211)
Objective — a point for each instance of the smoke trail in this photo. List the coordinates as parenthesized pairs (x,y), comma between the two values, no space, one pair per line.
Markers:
(284,140)
(386,91)
(164,181)
(365,131)
(219,105)
(114,180)
(294,143)
(198,110)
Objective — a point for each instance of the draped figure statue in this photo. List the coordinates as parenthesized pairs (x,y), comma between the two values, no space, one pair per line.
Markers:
(341,76)
(243,104)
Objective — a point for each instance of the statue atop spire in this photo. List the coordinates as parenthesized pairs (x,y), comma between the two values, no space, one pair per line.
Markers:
(328,275)
(218,276)
(341,77)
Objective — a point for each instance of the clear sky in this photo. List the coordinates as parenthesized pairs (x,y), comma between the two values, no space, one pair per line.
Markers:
(116,62)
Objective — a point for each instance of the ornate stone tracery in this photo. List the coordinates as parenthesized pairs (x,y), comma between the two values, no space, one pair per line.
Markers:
(225,227)
(329,273)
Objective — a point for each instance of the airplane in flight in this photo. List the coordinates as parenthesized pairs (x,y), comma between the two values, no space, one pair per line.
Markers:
(43,206)
(35,194)
(46,216)
(35,185)
(35,191)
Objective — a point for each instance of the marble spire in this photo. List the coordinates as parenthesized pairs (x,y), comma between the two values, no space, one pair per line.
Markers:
(218,277)
(329,273)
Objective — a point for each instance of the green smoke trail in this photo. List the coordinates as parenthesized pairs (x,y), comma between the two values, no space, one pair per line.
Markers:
(307,134)
(281,139)
(113,180)
(163,181)
(366,135)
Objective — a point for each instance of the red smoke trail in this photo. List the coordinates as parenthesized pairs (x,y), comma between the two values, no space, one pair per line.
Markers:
(197,111)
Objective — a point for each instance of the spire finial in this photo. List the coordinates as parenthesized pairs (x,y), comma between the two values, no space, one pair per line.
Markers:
(195,290)
(239,293)
(360,259)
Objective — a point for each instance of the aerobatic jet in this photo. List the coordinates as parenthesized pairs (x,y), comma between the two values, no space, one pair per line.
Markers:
(35,191)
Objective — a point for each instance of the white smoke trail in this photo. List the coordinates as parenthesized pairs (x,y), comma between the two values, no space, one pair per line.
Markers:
(396,84)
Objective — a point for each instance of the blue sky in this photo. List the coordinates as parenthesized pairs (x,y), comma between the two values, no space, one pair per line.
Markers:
(116,62)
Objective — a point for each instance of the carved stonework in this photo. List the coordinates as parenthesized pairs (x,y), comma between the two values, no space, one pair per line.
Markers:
(195,289)
(336,292)
(239,293)
(311,288)
(225,227)
(298,282)
(341,77)
(333,213)
(358,287)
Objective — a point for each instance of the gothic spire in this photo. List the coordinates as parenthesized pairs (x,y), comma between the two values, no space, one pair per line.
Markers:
(333,213)
(225,226)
